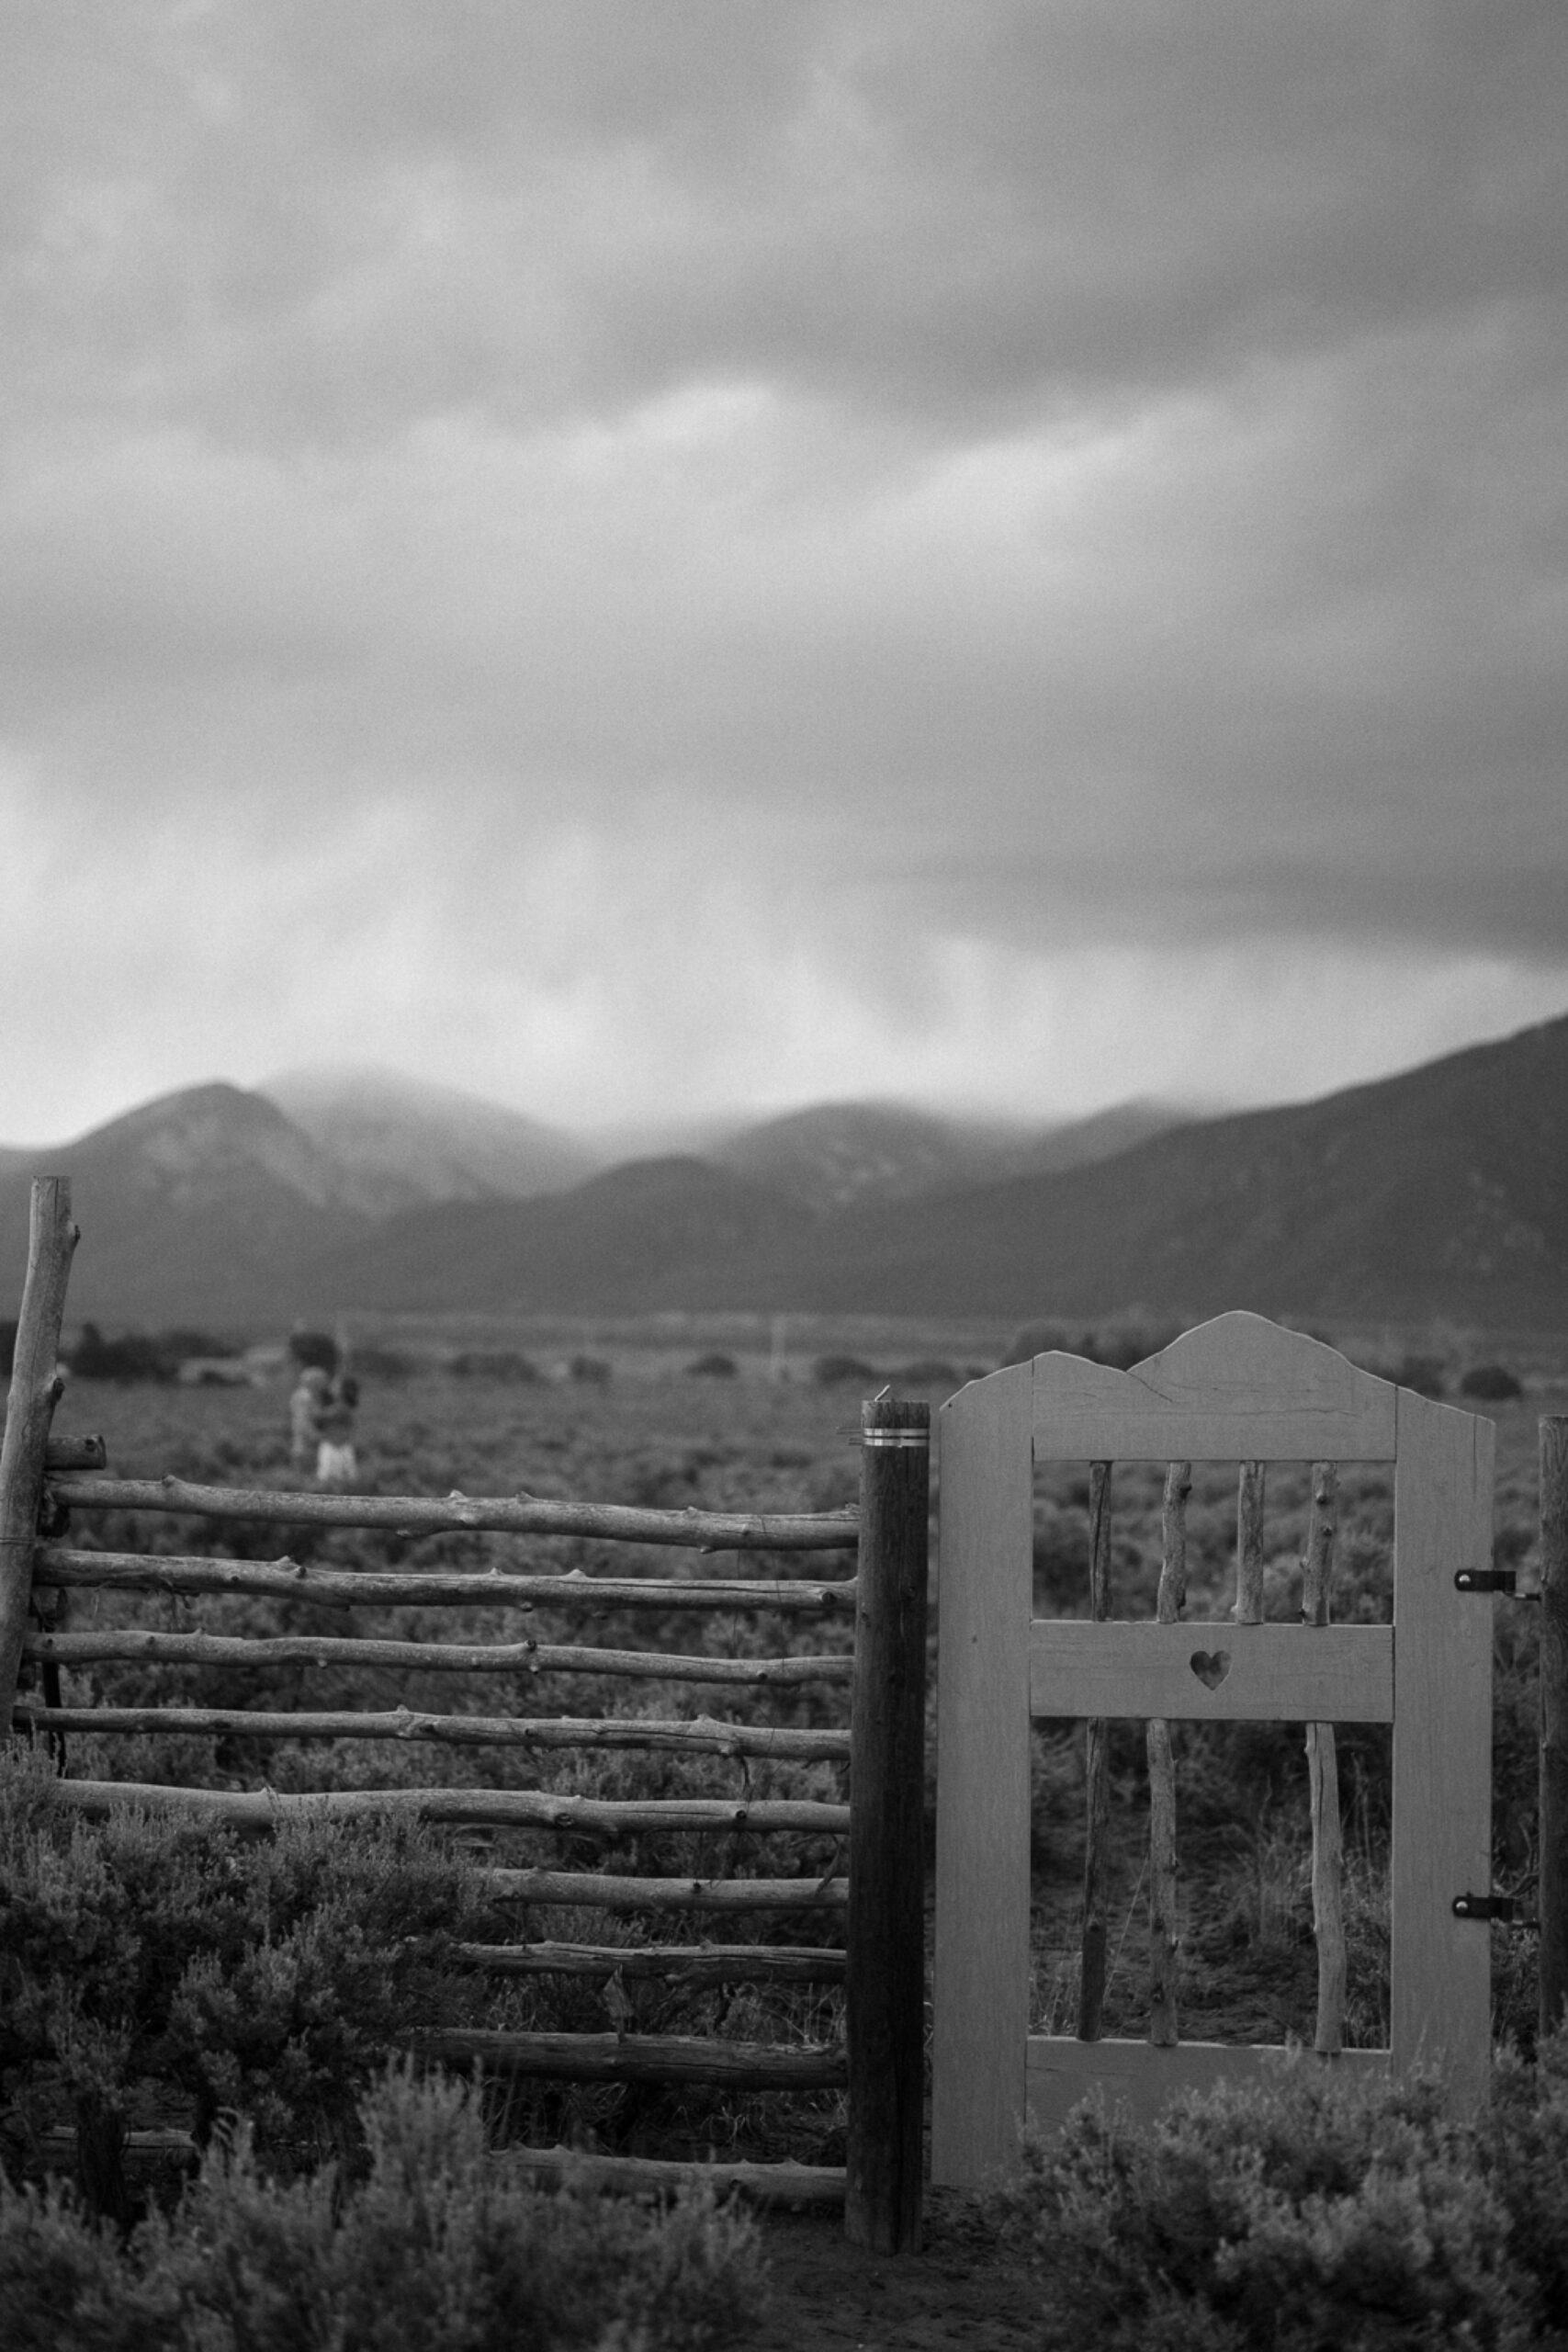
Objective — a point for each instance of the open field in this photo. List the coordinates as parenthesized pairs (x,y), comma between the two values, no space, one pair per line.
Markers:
(656,1433)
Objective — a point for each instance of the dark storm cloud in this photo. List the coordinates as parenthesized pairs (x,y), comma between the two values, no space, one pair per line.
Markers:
(952,214)
(946,491)
(1007,205)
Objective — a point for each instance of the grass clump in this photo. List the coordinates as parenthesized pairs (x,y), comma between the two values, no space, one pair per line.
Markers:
(1305,2211)
(437,2249)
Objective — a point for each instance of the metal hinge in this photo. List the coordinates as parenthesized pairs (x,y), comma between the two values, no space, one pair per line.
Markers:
(1486,1580)
(1502,1909)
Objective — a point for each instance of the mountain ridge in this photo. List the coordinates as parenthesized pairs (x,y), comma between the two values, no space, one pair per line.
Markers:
(1443,1190)
(1440,1191)
(1437,1192)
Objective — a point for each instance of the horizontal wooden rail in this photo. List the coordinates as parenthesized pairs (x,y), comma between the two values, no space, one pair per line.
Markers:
(635,2058)
(1217,1672)
(701,1736)
(807,2186)
(496,1808)
(57,1564)
(670,1963)
(75,1453)
(129,1645)
(609,1892)
(520,1514)
(1141,2079)
(160,2145)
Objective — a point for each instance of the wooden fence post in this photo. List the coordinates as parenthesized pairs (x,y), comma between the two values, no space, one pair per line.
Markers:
(885,1982)
(1097,1776)
(1323,1775)
(1165,1941)
(30,1407)
(1554,1720)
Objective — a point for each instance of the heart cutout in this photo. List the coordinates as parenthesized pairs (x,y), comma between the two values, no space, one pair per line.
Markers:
(1210,1666)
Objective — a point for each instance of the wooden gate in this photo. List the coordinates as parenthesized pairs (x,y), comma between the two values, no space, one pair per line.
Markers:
(1239,1389)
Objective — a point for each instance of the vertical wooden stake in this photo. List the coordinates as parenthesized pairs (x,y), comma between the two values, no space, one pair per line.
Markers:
(1322,1778)
(1164,1936)
(1553,1721)
(1097,1775)
(30,1407)
(1250,1544)
(885,1984)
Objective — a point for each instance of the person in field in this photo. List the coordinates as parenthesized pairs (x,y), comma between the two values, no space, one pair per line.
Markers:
(309,1397)
(336,1465)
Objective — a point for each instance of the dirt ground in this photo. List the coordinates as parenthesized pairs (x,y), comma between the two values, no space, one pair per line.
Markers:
(959,2289)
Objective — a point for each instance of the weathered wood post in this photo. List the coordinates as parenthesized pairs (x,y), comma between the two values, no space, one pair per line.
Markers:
(1165,1941)
(885,1984)
(29,1409)
(1554,1720)
(1097,1776)
(1250,1478)
(1323,1775)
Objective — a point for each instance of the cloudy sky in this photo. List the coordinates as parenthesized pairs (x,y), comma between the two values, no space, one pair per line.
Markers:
(641,555)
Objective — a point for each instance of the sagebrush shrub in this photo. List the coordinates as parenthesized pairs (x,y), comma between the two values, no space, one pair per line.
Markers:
(67,2286)
(1524,2135)
(1491,1383)
(270,1978)
(347,1943)
(438,2249)
(1303,2212)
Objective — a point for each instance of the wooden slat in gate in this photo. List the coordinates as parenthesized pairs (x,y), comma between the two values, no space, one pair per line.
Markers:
(984,1577)
(1202,1671)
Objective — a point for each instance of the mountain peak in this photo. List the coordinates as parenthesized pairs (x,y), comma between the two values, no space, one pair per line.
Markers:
(213,1106)
(410,1140)
(831,1154)
(201,1138)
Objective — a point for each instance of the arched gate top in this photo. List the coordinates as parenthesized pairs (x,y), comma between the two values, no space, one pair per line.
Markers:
(1237,1389)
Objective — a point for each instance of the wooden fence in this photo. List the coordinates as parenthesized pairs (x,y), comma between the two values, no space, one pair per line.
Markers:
(877,1901)
(1244,1390)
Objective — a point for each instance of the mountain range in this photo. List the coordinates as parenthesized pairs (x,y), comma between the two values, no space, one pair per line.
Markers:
(1440,1192)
